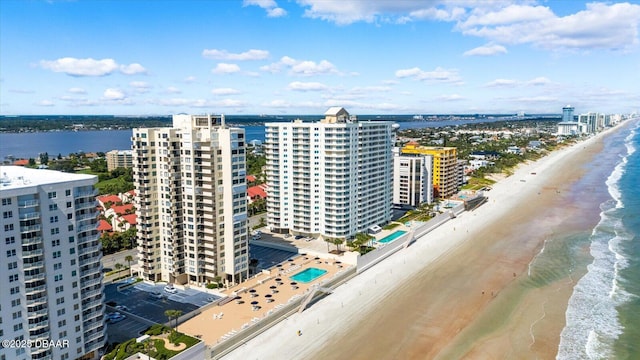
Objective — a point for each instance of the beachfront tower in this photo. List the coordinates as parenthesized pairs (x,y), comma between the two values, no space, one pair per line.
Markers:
(412,180)
(567,113)
(330,178)
(445,167)
(51,266)
(191,201)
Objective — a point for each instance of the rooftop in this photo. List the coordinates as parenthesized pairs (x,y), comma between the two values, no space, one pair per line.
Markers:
(16,177)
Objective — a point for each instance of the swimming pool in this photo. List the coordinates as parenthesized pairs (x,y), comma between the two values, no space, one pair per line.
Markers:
(308,275)
(389,238)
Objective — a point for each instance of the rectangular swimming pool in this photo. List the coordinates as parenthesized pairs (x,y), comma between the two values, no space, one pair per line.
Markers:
(308,275)
(389,238)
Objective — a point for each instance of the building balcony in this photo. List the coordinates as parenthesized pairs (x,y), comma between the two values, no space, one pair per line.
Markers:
(30,216)
(38,325)
(26,229)
(36,277)
(28,203)
(38,313)
(32,265)
(37,301)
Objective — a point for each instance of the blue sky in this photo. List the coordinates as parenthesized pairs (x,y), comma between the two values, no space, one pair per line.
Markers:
(302,56)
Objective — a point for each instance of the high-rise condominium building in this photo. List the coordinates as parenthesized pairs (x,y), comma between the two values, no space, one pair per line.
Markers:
(331,178)
(445,167)
(567,113)
(412,181)
(119,159)
(51,254)
(191,201)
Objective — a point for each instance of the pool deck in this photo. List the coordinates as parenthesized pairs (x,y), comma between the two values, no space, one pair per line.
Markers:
(236,316)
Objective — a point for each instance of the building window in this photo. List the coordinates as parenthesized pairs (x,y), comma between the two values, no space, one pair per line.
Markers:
(67,192)
(53,207)
(52,195)
(7,214)
(11,252)
(10,240)
(6,202)
(8,227)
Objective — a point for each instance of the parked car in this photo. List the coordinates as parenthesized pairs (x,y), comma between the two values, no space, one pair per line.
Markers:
(170,289)
(156,295)
(122,308)
(115,317)
(298,237)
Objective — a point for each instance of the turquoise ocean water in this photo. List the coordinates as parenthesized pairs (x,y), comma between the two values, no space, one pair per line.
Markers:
(603,315)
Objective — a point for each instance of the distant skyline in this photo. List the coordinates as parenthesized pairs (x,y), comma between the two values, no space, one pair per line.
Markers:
(303,56)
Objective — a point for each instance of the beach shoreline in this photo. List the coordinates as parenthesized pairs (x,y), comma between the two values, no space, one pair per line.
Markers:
(360,312)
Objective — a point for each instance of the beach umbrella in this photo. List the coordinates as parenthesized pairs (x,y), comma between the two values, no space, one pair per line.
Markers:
(254,303)
(272,287)
(268,296)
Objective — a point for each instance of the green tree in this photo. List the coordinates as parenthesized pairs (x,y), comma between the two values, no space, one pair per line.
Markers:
(173,314)
(129,259)
(118,267)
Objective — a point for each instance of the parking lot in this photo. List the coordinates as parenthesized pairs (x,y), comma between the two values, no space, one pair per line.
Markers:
(268,257)
(140,303)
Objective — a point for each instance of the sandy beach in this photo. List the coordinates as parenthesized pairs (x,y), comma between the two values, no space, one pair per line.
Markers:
(461,291)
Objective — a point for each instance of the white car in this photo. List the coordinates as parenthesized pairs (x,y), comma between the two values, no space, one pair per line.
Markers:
(122,308)
(170,289)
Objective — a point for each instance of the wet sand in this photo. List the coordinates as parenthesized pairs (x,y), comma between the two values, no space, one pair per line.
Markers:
(463,291)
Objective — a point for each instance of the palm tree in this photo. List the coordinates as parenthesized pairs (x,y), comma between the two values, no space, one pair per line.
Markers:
(118,266)
(173,314)
(129,259)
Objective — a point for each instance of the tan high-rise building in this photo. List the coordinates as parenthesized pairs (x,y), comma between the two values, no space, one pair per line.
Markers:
(191,201)
(119,159)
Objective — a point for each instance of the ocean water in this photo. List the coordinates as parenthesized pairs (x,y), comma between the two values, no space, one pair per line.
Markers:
(603,314)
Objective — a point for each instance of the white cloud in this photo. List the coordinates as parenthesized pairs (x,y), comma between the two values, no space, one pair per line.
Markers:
(502,83)
(46,103)
(307,86)
(140,86)
(225,91)
(269,5)
(77,90)
(252,54)
(90,67)
(132,69)
(81,67)
(486,50)
(437,75)
(224,68)
(114,94)
(277,104)
(599,26)
(230,103)
(301,67)
(452,97)
(190,79)
(541,80)
(172,90)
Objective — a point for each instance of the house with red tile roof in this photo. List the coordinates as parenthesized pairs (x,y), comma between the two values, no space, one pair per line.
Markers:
(104,226)
(256,193)
(21,162)
(113,199)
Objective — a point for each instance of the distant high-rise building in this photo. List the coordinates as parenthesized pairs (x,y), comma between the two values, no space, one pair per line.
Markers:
(51,265)
(567,113)
(191,201)
(331,178)
(412,181)
(591,122)
(445,167)
(119,159)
